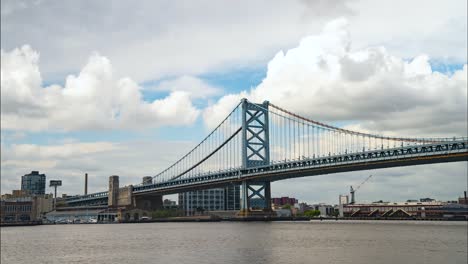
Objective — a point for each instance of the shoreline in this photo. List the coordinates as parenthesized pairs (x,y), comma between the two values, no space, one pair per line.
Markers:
(246,219)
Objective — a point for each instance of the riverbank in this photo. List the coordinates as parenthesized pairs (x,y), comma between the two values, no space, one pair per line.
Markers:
(246,219)
(31,223)
(279,219)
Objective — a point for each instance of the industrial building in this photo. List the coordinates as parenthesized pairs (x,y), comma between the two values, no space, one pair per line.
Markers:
(418,209)
(30,204)
(218,199)
(33,183)
(16,208)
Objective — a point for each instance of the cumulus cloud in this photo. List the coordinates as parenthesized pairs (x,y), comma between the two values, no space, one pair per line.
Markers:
(196,87)
(93,99)
(157,39)
(325,79)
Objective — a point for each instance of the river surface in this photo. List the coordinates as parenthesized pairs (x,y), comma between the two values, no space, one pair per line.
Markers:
(239,242)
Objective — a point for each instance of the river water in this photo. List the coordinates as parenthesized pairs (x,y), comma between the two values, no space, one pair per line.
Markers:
(239,242)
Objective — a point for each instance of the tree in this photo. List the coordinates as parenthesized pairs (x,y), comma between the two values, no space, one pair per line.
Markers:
(164,213)
(311,213)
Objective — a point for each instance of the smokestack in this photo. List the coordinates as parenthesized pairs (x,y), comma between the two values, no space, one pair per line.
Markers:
(86,183)
(466,201)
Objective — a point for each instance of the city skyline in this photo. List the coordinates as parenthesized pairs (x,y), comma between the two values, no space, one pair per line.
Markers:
(131,107)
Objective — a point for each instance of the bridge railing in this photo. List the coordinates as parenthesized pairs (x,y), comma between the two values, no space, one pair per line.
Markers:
(87,197)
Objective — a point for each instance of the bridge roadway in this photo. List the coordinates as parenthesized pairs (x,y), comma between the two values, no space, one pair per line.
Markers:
(451,151)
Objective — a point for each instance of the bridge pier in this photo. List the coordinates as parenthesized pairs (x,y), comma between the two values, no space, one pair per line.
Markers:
(120,197)
(259,190)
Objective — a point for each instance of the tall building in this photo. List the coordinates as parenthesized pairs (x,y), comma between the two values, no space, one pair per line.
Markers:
(284,201)
(218,199)
(34,183)
(232,198)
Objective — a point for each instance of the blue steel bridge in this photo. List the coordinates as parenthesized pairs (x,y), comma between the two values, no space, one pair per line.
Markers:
(257,144)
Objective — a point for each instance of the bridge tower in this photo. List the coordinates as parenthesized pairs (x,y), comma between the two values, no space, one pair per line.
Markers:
(113,191)
(255,152)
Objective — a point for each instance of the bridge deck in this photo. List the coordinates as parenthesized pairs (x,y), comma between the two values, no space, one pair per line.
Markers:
(395,157)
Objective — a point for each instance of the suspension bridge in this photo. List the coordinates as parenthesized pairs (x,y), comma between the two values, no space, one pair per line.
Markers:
(257,144)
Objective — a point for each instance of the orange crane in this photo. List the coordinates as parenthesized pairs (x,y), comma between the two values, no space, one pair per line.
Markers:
(352,190)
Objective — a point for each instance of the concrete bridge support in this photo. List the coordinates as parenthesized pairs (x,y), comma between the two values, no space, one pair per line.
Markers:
(257,190)
(113,191)
(123,197)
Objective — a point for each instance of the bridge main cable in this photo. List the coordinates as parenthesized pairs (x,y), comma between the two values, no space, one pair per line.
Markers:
(207,140)
(209,155)
(432,140)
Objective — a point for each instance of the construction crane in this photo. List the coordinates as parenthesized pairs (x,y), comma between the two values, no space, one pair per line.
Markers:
(352,190)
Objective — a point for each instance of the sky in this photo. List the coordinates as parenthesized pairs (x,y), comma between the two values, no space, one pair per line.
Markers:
(126,88)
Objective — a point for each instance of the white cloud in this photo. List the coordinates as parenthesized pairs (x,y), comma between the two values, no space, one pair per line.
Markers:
(69,161)
(92,100)
(323,78)
(196,87)
(156,39)
(436,28)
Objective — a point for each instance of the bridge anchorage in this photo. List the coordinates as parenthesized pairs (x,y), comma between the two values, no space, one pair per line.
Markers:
(257,144)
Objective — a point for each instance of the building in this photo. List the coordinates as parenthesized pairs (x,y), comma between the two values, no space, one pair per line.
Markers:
(283,213)
(17,210)
(89,214)
(420,209)
(343,199)
(463,200)
(325,209)
(218,199)
(426,200)
(20,206)
(14,194)
(305,207)
(277,202)
(169,204)
(33,183)
(42,204)
(232,198)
